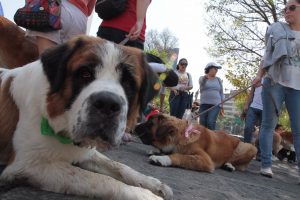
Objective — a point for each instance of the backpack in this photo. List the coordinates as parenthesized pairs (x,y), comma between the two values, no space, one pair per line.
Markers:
(108,9)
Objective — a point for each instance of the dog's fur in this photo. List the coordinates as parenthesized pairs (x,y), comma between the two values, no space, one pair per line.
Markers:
(15,49)
(87,88)
(202,149)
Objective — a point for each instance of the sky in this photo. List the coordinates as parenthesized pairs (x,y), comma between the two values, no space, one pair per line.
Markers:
(185,19)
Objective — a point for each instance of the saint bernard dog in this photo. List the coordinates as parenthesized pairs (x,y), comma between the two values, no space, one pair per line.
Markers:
(85,89)
(193,146)
(15,48)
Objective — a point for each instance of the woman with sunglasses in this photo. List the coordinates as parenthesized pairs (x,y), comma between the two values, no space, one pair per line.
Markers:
(179,97)
(281,68)
(211,94)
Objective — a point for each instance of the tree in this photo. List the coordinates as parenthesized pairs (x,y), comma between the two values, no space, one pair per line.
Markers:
(162,42)
(237,29)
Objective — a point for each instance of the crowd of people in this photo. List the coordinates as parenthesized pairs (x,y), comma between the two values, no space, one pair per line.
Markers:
(276,81)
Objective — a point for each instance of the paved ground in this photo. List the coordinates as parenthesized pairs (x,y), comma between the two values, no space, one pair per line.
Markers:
(188,185)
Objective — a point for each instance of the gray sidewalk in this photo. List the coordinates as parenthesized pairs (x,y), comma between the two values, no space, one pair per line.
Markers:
(188,185)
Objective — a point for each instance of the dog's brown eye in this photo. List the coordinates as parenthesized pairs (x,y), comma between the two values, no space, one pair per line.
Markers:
(86,74)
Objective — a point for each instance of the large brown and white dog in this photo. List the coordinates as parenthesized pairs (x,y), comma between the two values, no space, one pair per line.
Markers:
(193,146)
(80,90)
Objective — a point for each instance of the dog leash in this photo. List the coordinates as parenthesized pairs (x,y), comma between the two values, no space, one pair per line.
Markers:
(227,99)
(123,42)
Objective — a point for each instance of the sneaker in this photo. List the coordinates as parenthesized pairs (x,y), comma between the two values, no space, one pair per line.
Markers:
(267,172)
(274,158)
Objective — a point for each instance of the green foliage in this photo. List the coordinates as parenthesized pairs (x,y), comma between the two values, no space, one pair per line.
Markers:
(237,29)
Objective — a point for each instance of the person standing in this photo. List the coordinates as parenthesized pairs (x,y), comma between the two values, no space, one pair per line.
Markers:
(253,112)
(281,65)
(74,16)
(211,94)
(129,24)
(179,97)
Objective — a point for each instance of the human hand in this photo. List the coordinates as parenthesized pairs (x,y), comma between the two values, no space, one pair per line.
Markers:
(135,31)
(222,113)
(175,92)
(243,116)
(182,88)
(257,81)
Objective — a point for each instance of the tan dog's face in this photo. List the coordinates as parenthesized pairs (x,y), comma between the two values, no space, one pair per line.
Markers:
(162,131)
(101,87)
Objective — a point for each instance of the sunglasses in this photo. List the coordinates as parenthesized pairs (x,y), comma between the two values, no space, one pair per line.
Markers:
(290,8)
(183,64)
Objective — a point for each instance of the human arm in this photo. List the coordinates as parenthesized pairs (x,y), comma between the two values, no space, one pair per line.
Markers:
(257,81)
(249,100)
(161,102)
(90,6)
(157,67)
(141,9)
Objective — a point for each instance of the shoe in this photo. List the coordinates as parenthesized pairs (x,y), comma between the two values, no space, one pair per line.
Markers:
(274,158)
(267,172)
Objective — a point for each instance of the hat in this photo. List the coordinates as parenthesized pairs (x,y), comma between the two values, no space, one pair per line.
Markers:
(171,78)
(213,64)
(153,58)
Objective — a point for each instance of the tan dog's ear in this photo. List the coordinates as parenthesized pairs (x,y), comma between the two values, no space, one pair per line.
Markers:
(163,131)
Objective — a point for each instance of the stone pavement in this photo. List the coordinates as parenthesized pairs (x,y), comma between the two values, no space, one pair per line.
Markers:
(187,184)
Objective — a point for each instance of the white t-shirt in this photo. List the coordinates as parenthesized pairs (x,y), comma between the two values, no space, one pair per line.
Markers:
(257,102)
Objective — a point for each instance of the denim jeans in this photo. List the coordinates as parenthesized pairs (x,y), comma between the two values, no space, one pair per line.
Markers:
(209,118)
(276,94)
(253,117)
(178,104)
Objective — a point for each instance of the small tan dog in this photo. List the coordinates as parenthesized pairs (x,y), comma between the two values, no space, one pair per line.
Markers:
(193,146)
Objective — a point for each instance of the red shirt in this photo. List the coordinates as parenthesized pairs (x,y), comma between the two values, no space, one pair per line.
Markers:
(86,6)
(126,20)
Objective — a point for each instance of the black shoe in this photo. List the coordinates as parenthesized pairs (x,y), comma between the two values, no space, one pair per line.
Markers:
(291,157)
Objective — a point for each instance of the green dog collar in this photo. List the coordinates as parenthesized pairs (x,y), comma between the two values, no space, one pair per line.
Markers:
(47,130)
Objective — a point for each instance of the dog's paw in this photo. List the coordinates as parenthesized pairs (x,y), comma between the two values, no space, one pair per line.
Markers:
(165,192)
(160,160)
(228,167)
(141,194)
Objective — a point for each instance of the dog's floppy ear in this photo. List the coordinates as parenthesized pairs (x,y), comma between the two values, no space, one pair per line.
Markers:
(55,62)
(148,88)
(164,131)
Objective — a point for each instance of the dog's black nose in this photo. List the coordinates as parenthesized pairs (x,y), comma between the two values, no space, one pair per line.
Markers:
(107,103)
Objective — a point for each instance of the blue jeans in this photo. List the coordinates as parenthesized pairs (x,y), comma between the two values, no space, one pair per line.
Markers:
(276,94)
(178,104)
(209,118)
(253,117)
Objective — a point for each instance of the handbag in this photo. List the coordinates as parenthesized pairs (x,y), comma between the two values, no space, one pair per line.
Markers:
(39,15)
(108,9)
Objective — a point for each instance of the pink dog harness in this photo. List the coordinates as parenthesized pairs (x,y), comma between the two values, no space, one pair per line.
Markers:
(189,130)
